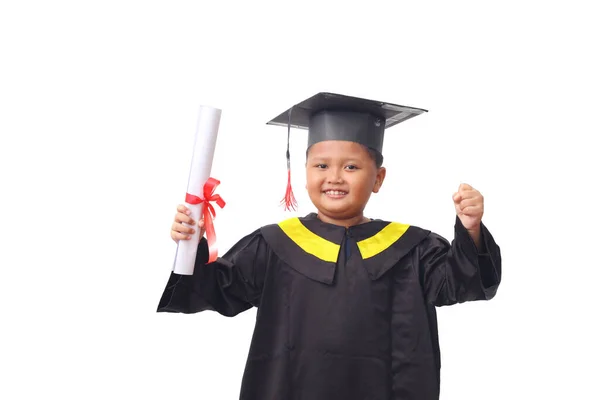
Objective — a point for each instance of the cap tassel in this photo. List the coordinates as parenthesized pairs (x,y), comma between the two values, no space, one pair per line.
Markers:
(289,201)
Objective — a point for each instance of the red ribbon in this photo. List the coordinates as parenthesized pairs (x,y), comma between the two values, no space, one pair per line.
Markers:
(208,213)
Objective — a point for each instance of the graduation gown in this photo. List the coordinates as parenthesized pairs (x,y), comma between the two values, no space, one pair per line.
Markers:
(342,313)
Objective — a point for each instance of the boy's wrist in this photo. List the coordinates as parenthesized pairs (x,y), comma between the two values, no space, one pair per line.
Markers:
(475,235)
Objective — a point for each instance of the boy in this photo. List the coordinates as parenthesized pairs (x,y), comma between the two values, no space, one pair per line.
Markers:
(346,304)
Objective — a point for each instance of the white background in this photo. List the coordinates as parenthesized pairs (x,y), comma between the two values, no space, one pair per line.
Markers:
(98,106)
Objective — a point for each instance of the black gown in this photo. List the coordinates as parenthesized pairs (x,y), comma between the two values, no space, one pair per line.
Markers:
(343,313)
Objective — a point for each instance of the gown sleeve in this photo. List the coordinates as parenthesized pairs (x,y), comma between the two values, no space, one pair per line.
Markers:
(457,272)
(230,285)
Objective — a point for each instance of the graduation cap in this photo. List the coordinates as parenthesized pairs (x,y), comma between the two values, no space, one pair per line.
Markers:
(330,116)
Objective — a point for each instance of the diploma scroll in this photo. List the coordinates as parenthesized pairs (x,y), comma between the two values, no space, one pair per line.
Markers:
(202,158)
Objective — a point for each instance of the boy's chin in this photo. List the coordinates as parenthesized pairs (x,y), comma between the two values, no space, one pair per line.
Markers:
(339,213)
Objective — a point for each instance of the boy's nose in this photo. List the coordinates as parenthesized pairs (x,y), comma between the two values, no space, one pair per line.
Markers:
(334,176)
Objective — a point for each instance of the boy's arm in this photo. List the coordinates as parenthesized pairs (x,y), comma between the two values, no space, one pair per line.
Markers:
(230,285)
(460,271)
(475,235)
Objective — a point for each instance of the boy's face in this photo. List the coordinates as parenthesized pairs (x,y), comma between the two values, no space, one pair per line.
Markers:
(340,177)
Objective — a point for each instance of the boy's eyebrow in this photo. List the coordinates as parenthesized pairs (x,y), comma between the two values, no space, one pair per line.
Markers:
(319,158)
(328,158)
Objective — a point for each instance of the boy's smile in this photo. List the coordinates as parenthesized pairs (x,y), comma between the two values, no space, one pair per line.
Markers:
(340,177)
(335,194)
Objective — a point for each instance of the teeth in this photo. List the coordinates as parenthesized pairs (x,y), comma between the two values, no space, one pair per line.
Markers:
(335,192)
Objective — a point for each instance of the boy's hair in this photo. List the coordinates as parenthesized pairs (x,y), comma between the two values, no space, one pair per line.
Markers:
(375,156)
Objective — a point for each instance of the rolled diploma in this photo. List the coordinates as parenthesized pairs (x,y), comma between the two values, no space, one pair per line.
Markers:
(202,158)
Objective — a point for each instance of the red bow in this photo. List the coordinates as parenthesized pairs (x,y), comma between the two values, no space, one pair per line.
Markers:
(208,213)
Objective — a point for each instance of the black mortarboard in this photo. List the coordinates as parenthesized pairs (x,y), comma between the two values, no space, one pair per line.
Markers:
(330,116)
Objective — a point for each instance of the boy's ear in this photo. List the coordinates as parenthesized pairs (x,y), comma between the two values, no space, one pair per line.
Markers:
(379,179)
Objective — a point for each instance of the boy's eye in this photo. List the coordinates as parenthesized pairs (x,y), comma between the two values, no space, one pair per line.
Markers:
(322,166)
(351,167)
